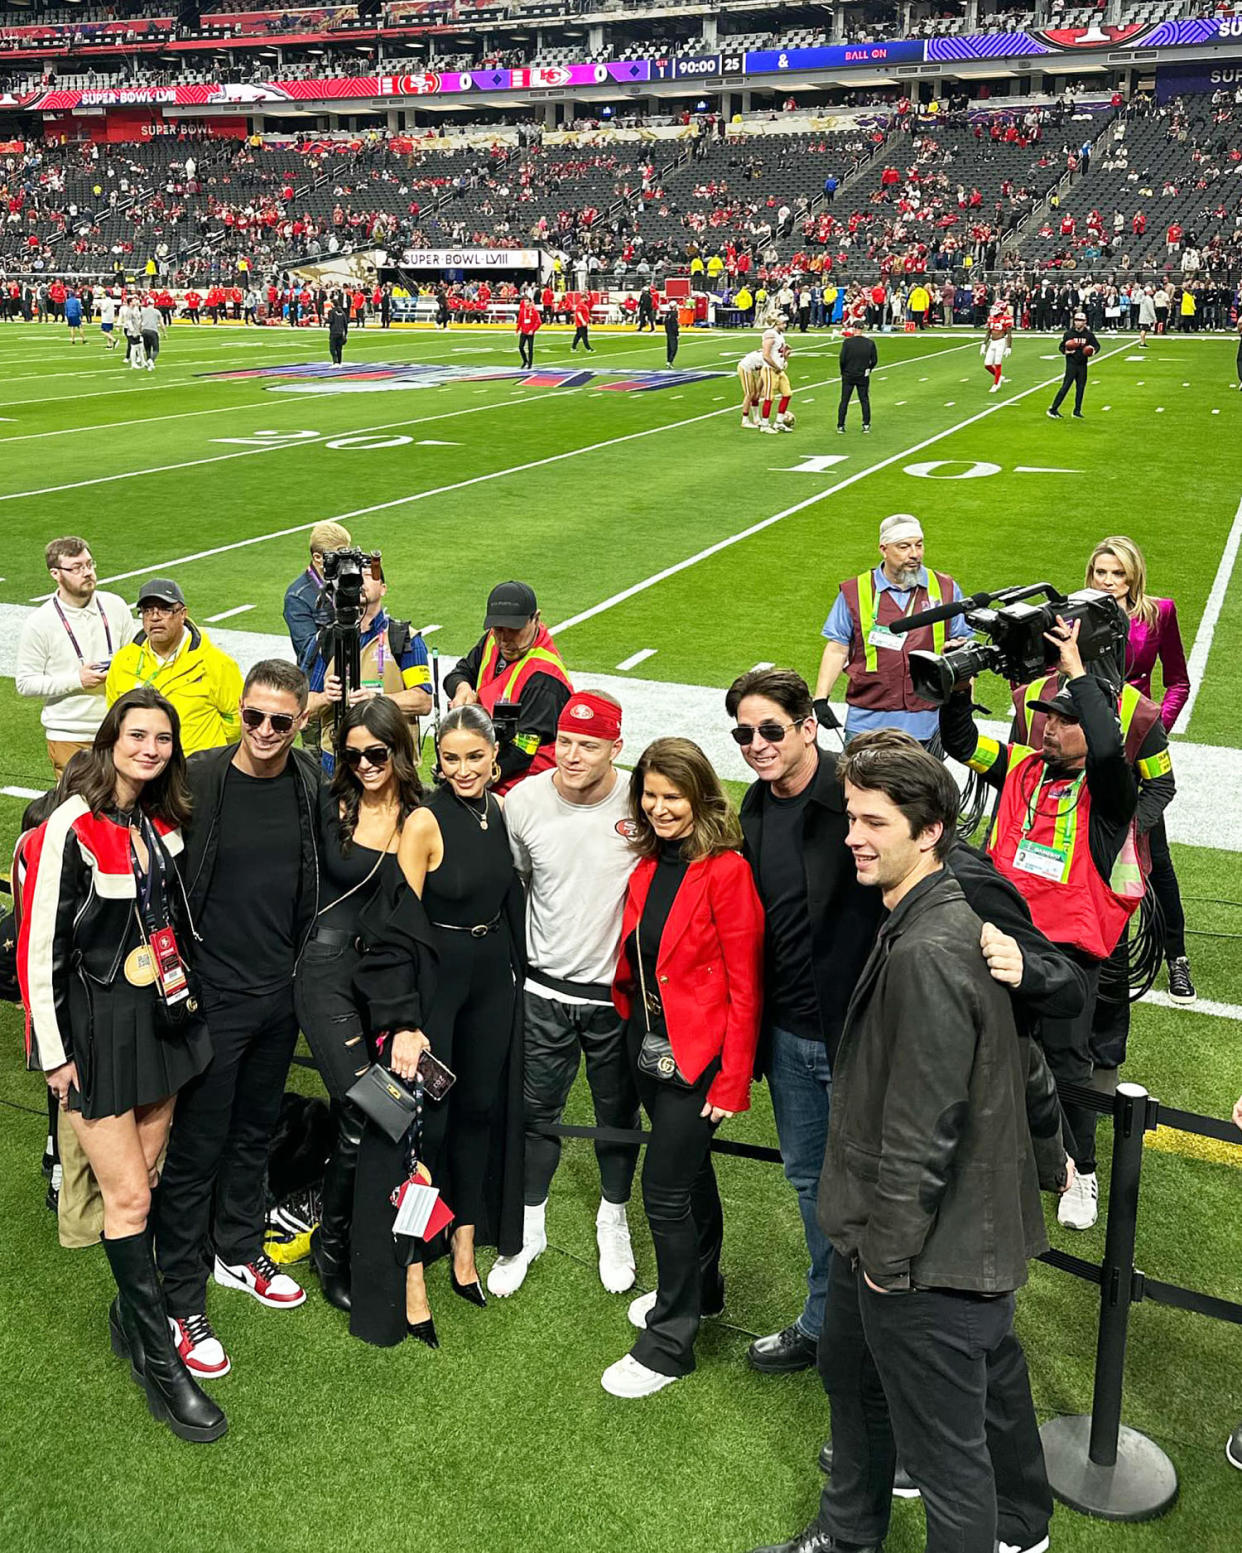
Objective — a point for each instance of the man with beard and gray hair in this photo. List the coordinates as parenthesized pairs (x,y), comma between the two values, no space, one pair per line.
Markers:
(874,657)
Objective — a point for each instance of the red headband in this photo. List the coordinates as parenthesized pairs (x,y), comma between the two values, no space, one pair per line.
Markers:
(590,715)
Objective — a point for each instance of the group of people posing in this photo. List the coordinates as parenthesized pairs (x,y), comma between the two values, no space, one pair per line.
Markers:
(452,956)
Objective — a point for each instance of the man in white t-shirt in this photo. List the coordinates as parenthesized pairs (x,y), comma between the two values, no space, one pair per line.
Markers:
(570,832)
(66,646)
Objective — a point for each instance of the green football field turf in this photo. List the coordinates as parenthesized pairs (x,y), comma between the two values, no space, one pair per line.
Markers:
(649,523)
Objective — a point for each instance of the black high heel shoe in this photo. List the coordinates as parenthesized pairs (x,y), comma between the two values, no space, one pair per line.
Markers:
(472,1291)
(424,1331)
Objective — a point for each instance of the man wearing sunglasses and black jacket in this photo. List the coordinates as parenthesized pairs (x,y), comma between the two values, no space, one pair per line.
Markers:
(252,880)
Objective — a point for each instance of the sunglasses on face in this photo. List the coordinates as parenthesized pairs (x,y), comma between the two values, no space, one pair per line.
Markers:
(375,755)
(770,733)
(282,722)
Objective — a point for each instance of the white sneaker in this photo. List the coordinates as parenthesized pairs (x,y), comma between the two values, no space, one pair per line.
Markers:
(770,429)
(150,366)
(1079,1208)
(1041,1546)
(749,425)
(783,426)
(640,1309)
(616,1254)
(509,1272)
(262,1279)
(200,1349)
(995,388)
(628,1378)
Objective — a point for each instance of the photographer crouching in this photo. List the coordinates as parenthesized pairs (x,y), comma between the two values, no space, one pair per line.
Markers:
(359,652)
(1064,835)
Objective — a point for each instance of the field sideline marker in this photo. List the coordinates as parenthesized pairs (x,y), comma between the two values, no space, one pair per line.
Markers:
(635,658)
(227,614)
(788,512)
(400,501)
(1197,665)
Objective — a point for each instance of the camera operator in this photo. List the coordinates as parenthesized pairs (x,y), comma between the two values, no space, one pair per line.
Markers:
(1064,834)
(393,662)
(304,593)
(515,673)
(875,658)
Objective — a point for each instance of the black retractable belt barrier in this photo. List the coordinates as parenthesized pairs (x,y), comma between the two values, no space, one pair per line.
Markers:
(1096,1464)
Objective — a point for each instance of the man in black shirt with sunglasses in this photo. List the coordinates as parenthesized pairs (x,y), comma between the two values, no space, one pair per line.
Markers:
(251,874)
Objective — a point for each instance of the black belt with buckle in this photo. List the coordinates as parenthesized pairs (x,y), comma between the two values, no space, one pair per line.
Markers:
(479,930)
(333,938)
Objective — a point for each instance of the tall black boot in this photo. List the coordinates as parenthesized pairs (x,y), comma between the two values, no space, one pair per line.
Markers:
(172,1393)
(330,1240)
(123,1330)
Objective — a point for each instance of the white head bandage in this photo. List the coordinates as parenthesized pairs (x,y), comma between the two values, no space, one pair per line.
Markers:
(902,525)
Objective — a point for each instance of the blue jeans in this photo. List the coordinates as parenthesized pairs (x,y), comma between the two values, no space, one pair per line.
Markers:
(801,1083)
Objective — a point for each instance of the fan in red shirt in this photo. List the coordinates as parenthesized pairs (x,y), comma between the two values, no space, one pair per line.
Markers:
(1068,226)
(193,302)
(528,325)
(1174,237)
(582,323)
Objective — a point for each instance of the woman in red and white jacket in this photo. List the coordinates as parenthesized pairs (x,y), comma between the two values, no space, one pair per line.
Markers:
(689,985)
(112,1016)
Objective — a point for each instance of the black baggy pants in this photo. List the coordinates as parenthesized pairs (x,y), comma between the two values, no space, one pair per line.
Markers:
(863,390)
(1075,378)
(581,337)
(213,1186)
(682,1203)
(557,1034)
(938,1378)
(336,345)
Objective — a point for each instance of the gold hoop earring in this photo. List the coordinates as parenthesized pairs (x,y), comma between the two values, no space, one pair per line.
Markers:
(495,771)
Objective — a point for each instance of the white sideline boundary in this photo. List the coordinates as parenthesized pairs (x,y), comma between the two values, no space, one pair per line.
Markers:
(1198,661)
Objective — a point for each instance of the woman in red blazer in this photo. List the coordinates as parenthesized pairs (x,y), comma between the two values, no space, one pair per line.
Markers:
(689,985)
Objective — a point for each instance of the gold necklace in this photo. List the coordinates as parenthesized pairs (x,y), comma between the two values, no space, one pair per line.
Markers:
(481,819)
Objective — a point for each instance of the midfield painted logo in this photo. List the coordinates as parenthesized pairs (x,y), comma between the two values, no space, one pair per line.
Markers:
(318,377)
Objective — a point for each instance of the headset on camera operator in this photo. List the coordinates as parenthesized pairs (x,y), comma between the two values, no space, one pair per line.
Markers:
(515,673)
(360,652)
(1065,835)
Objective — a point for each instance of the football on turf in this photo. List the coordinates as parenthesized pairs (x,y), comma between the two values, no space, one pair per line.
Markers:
(790,418)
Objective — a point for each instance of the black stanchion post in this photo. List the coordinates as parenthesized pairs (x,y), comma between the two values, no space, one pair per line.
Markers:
(1096,1464)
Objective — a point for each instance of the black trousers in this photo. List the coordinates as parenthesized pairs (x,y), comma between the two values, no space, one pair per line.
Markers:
(682,1203)
(1164,883)
(470,1027)
(1075,378)
(938,1378)
(581,337)
(212,1189)
(863,390)
(557,1035)
(1067,1046)
(671,353)
(336,345)
(328,1013)
(151,343)
(526,349)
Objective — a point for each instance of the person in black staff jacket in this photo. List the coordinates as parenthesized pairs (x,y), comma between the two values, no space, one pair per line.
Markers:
(857,361)
(252,878)
(672,332)
(1078,345)
(929,1192)
(338,329)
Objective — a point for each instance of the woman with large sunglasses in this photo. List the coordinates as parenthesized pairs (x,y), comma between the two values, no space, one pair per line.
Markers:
(112,1008)
(374,789)
(454,854)
(689,983)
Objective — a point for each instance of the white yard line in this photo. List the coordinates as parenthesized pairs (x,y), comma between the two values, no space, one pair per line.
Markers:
(227,614)
(789,512)
(635,658)
(498,474)
(1197,665)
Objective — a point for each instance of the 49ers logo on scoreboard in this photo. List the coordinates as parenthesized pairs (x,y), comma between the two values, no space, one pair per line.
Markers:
(423,83)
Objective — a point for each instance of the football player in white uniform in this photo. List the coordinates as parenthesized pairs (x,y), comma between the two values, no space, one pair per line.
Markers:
(996,340)
(776,389)
(750,373)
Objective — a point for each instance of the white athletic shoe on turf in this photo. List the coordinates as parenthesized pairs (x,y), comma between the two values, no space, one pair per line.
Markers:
(640,1309)
(995,388)
(750,425)
(262,1279)
(1079,1207)
(1041,1546)
(150,366)
(201,1350)
(783,426)
(768,427)
(628,1378)
(616,1254)
(508,1273)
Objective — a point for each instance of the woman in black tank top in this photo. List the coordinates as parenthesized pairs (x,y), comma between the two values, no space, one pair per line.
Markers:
(455,857)
(361,814)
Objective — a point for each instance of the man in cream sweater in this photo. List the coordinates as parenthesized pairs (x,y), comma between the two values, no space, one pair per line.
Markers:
(66,646)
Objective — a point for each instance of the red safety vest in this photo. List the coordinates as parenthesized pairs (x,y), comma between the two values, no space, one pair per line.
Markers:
(879,675)
(497,684)
(1040,841)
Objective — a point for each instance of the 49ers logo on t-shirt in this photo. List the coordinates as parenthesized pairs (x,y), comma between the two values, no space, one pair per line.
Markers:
(627,828)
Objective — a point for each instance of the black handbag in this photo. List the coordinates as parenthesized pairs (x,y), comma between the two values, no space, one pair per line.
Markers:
(384,1100)
(655,1054)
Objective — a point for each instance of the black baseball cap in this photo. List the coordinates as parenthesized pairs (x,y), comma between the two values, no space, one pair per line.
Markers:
(160,590)
(1062,704)
(510,604)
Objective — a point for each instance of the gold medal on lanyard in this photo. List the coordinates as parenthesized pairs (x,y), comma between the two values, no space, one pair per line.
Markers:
(140,967)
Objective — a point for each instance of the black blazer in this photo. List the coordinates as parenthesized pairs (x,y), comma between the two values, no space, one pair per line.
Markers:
(845,915)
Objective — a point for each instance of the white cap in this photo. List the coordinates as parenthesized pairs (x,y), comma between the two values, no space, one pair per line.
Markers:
(902,525)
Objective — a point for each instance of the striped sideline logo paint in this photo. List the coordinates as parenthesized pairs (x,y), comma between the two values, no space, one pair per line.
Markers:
(318,377)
